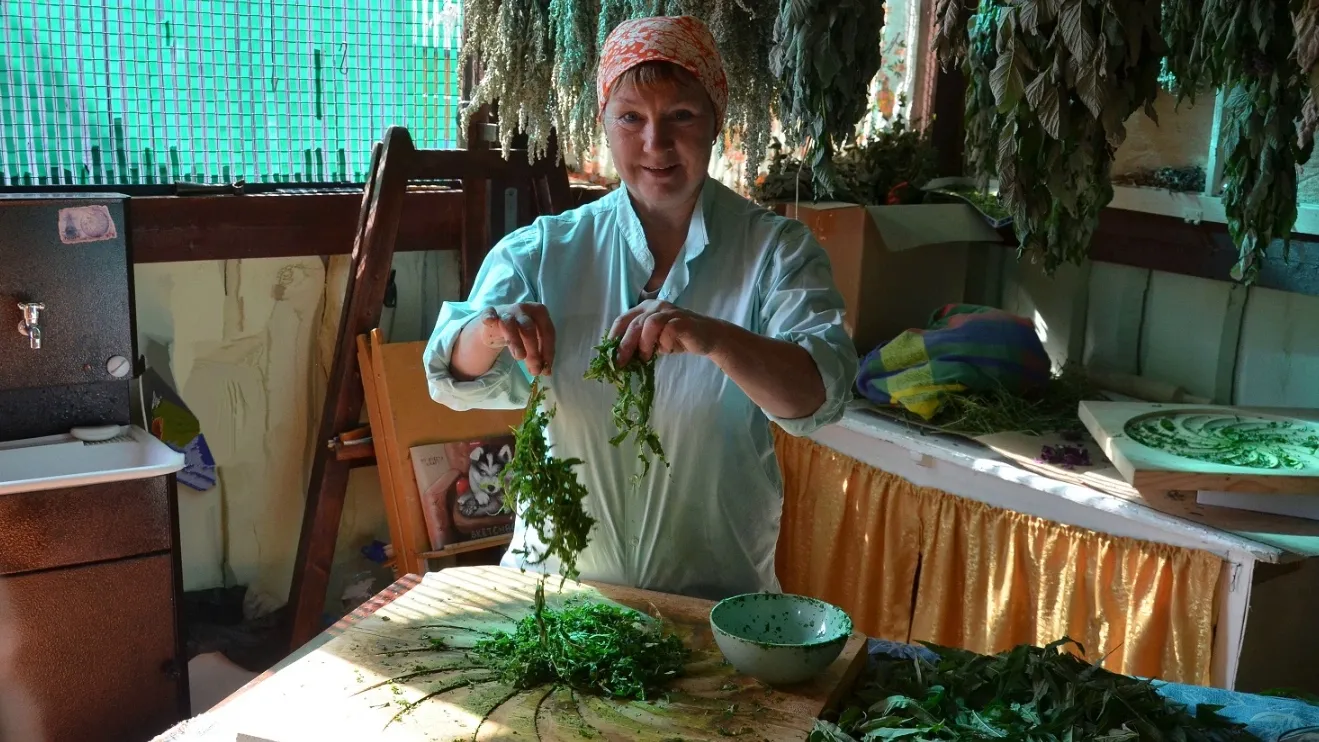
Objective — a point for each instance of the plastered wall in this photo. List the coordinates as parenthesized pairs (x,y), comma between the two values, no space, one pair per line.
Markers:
(249,344)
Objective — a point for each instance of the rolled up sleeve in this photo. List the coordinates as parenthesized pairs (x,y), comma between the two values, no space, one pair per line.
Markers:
(802,305)
(502,279)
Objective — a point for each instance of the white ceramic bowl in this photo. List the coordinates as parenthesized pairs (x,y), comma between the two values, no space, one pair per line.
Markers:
(779,639)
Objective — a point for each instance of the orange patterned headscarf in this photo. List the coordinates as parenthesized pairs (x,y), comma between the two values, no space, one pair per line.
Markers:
(681,40)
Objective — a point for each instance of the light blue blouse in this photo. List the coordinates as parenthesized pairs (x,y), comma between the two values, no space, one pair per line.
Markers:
(708,525)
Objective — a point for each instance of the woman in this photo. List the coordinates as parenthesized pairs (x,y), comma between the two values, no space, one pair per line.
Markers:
(739,302)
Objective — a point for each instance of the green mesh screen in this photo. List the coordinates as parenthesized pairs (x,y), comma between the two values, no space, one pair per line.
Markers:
(153,92)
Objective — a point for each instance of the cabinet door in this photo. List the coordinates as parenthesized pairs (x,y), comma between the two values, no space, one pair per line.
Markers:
(96,652)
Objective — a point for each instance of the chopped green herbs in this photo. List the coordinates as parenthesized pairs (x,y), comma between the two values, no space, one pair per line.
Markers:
(635,383)
(595,648)
(1051,410)
(1027,693)
(1230,440)
(546,490)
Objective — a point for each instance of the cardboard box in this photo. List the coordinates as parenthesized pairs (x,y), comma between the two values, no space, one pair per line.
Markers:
(895,265)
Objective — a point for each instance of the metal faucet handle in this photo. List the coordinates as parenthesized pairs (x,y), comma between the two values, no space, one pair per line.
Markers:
(29,327)
(31,309)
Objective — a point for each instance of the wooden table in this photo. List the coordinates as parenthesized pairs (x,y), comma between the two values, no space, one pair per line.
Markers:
(374,676)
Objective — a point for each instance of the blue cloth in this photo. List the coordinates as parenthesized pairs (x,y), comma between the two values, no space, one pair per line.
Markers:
(708,525)
(1270,719)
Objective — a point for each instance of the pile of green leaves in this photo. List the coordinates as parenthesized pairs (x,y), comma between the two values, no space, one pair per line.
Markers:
(547,487)
(824,56)
(1039,694)
(871,172)
(635,383)
(1050,85)
(1245,47)
(596,648)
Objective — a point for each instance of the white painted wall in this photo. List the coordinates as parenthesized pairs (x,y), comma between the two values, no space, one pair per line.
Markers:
(1216,339)
(250,343)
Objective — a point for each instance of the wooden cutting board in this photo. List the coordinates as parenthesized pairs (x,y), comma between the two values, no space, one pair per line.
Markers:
(1154,469)
(356,685)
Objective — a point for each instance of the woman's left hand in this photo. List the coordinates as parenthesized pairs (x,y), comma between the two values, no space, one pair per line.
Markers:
(658,326)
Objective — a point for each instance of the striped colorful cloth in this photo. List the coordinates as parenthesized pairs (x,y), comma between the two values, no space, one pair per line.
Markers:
(965,347)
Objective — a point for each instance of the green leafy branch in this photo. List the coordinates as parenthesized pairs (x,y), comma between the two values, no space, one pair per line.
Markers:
(546,489)
(635,383)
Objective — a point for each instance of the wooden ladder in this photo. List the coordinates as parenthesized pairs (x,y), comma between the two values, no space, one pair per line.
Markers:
(394,163)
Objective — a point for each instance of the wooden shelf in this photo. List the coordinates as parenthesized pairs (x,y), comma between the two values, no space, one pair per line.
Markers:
(465,546)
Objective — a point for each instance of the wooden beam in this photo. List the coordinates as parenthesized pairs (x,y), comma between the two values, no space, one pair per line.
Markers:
(1204,250)
(167,229)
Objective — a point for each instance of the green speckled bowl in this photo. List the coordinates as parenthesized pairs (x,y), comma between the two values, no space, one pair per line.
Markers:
(779,639)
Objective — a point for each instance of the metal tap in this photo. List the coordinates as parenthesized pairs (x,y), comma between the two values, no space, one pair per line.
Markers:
(30,327)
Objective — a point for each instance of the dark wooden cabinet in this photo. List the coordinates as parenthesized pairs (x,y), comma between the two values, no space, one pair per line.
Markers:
(93,581)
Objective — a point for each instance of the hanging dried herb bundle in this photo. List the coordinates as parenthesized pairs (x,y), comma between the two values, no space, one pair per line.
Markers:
(1245,47)
(635,383)
(514,40)
(1180,23)
(1306,21)
(825,54)
(950,30)
(1050,85)
(539,59)
(594,648)
(1027,693)
(547,487)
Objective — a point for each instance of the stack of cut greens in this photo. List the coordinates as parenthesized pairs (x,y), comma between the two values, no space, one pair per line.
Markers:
(1028,693)
(635,383)
(595,648)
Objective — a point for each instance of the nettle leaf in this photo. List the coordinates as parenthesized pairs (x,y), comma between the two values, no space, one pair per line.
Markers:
(1088,89)
(1006,80)
(1076,31)
(1049,111)
(1028,14)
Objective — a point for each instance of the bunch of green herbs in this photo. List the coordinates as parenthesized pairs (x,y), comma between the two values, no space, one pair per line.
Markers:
(824,55)
(1050,86)
(546,489)
(889,167)
(1190,179)
(635,383)
(1042,694)
(1051,409)
(1246,48)
(596,648)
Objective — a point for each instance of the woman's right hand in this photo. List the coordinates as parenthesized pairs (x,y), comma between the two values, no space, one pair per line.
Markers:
(525,329)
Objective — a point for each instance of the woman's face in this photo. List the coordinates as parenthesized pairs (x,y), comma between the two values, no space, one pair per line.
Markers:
(661,136)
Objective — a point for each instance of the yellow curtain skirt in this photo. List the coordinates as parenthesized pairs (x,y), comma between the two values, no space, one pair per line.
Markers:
(916,564)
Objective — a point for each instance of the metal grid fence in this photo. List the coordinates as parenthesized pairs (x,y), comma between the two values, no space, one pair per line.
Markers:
(155,92)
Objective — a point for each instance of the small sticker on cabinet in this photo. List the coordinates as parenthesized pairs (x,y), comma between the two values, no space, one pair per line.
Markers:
(86,224)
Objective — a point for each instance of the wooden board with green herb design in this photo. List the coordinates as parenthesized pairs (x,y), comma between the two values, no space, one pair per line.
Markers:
(1163,447)
(406,673)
